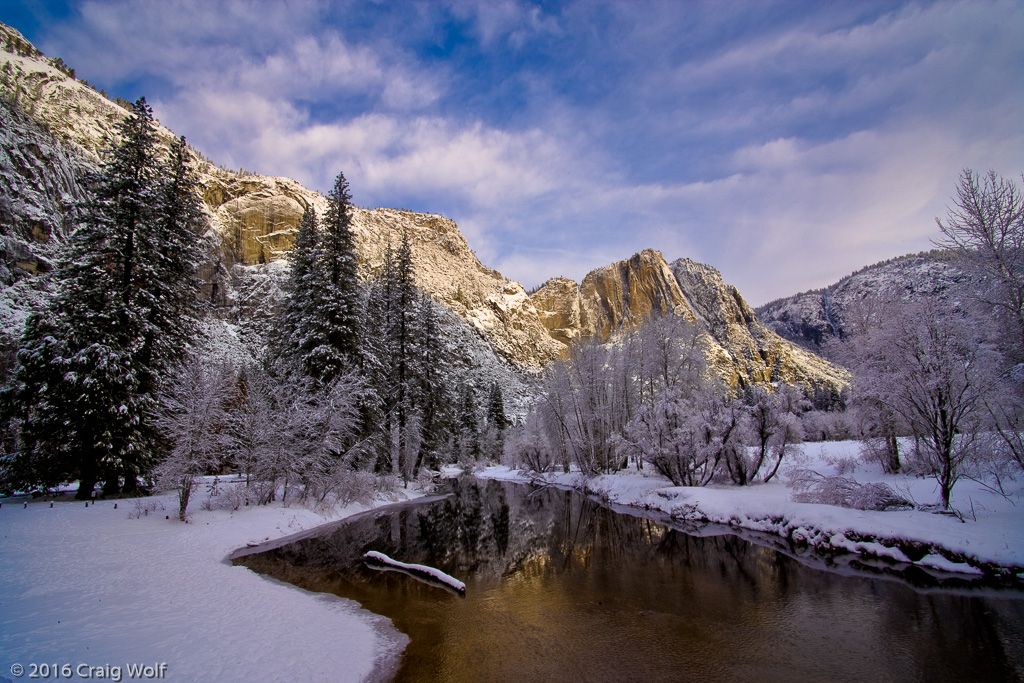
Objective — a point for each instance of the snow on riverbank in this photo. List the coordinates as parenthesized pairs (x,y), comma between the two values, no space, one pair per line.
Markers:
(89,586)
(990,534)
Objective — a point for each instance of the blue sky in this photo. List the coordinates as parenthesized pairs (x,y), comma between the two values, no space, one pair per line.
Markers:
(785,143)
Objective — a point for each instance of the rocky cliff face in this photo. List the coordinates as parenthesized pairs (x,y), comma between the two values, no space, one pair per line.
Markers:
(252,221)
(811,318)
(252,218)
(623,294)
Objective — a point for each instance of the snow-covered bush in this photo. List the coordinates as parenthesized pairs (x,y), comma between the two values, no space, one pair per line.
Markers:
(812,487)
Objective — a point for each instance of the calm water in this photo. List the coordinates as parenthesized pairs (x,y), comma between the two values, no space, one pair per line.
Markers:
(559,588)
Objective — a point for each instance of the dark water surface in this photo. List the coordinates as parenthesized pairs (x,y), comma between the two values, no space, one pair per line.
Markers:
(559,588)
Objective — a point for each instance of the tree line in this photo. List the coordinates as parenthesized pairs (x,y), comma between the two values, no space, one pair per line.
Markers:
(113,384)
(355,389)
(937,390)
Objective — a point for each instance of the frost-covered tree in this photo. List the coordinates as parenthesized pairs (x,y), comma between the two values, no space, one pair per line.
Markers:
(193,418)
(405,366)
(774,428)
(467,437)
(169,283)
(985,226)
(290,434)
(670,436)
(432,375)
(336,316)
(931,367)
(294,334)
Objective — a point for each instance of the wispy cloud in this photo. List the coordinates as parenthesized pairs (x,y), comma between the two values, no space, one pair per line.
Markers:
(785,143)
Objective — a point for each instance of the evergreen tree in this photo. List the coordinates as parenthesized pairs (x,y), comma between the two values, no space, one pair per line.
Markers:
(335,322)
(429,370)
(468,437)
(492,441)
(81,399)
(293,337)
(171,289)
(405,300)
(496,409)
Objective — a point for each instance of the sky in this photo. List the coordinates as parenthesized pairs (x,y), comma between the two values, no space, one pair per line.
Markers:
(785,143)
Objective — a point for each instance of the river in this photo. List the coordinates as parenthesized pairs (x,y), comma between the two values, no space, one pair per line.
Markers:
(559,587)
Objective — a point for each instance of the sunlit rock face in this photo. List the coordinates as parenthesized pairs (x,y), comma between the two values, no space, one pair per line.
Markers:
(559,306)
(625,293)
(620,296)
(498,308)
(252,220)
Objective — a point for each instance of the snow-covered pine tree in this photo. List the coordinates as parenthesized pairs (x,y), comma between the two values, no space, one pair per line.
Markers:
(468,436)
(293,336)
(87,412)
(170,292)
(492,441)
(403,321)
(335,319)
(430,376)
(496,409)
(376,360)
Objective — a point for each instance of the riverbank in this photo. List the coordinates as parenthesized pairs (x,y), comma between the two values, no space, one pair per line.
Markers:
(985,537)
(103,587)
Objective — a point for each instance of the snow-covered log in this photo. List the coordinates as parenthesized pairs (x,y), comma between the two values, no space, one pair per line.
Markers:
(422,572)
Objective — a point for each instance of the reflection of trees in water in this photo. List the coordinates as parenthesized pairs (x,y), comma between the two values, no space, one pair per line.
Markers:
(720,591)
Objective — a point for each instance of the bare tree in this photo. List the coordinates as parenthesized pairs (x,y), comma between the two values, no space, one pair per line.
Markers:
(290,434)
(986,227)
(773,428)
(931,367)
(880,425)
(193,418)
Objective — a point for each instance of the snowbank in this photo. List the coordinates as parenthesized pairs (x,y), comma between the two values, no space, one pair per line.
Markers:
(988,536)
(89,586)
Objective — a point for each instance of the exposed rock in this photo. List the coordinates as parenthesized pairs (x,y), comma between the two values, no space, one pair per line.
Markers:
(625,293)
(559,307)
(620,296)
(811,318)
(38,190)
(498,308)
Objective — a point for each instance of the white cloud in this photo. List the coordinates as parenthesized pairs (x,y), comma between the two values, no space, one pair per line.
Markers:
(803,153)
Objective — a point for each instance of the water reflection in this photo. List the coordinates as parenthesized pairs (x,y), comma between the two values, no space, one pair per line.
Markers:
(560,588)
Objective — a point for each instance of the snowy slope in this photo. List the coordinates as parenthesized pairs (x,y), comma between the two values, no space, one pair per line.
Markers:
(810,318)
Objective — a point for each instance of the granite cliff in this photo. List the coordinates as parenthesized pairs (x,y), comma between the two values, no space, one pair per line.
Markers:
(618,296)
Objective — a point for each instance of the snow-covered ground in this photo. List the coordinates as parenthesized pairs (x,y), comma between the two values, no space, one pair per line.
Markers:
(98,588)
(987,535)
(90,587)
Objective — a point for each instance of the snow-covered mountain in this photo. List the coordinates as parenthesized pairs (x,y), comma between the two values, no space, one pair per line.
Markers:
(811,318)
(55,127)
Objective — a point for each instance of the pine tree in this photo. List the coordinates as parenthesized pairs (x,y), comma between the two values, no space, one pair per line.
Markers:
(496,409)
(335,322)
(429,370)
(121,317)
(404,307)
(170,290)
(468,437)
(293,337)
